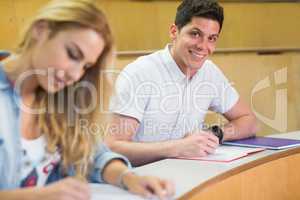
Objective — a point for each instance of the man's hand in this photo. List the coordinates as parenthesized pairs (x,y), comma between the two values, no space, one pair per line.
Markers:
(196,144)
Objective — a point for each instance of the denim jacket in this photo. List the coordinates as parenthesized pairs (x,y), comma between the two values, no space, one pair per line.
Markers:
(10,148)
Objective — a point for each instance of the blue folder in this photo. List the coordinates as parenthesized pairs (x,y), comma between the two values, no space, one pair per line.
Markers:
(265,142)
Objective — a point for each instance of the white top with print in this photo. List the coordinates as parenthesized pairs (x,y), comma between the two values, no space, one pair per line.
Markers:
(37,163)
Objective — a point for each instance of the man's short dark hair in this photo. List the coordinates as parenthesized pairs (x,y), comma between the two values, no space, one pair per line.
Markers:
(209,9)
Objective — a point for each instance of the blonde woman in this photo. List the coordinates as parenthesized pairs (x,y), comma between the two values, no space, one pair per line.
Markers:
(45,91)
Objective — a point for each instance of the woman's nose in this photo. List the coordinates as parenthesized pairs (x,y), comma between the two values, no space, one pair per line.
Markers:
(75,73)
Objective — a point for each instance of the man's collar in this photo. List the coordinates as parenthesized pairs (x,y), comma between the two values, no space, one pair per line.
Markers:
(171,65)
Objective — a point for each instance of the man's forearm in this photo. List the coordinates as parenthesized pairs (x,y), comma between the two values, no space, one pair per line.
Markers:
(243,127)
(142,153)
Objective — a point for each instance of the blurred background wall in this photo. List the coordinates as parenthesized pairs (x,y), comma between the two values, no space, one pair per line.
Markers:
(259,48)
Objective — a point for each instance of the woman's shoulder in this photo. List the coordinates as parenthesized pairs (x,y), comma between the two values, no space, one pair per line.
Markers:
(4,82)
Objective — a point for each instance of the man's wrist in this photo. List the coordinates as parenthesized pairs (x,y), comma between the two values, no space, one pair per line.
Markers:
(173,148)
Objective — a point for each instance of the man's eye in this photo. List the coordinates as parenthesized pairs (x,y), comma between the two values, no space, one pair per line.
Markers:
(212,39)
(195,34)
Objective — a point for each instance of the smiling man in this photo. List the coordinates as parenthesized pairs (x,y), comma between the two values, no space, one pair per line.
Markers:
(161,99)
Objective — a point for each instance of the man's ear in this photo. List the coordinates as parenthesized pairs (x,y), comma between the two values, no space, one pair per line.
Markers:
(40,30)
(173,32)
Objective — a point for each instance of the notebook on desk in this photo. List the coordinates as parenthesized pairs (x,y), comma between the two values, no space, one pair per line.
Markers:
(265,142)
(226,154)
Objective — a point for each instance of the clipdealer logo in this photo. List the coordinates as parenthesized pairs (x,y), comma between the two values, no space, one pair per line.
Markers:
(279,122)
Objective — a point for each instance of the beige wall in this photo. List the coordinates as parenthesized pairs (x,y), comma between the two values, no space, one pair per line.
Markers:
(246,24)
(142,25)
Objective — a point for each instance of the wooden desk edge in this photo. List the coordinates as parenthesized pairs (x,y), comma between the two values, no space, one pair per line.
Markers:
(240,169)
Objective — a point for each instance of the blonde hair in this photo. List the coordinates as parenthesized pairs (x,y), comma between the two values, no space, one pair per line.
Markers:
(62,129)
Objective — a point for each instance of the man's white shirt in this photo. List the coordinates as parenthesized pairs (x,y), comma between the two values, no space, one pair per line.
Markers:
(153,90)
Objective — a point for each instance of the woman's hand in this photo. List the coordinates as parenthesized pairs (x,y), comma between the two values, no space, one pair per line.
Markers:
(117,173)
(148,186)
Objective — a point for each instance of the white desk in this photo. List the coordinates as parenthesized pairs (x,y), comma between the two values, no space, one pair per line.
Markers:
(109,192)
(192,177)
